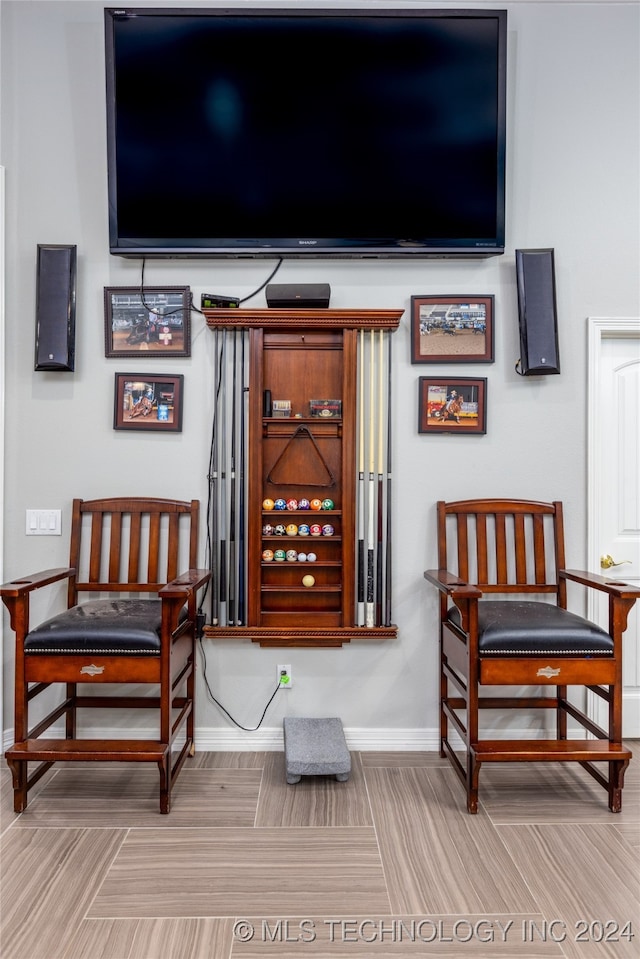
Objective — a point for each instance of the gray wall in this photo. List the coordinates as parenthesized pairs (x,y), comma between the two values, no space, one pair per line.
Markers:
(573,161)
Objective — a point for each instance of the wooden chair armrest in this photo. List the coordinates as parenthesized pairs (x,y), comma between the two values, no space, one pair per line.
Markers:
(185,584)
(452,585)
(603,583)
(25,584)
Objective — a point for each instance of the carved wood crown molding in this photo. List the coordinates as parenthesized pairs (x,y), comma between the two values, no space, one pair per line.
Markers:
(309,319)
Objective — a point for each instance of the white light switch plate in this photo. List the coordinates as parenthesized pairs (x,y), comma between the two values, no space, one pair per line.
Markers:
(44,522)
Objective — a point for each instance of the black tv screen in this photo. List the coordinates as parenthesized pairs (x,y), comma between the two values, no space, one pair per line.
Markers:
(287,132)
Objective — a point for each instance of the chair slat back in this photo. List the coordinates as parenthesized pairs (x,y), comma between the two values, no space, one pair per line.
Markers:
(131,545)
(503,545)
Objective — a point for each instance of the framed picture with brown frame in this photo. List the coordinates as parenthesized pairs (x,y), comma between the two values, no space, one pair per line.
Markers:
(452,329)
(148,401)
(151,322)
(447,404)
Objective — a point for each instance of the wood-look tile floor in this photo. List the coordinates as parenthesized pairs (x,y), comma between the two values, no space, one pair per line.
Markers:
(386,864)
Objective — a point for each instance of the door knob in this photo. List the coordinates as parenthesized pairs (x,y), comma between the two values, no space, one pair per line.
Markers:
(607,561)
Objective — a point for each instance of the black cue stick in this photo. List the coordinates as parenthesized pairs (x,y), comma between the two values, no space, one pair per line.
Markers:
(387,599)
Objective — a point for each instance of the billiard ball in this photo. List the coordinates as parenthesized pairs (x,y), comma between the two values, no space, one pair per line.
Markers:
(280,504)
(303,529)
(267,504)
(303,504)
(316,504)
(279,555)
(311,557)
(267,555)
(327,504)
(292,529)
(308,580)
(327,530)
(302,557)
(267,529)
(279,530)
(291,555)
(292,504)
(315,529)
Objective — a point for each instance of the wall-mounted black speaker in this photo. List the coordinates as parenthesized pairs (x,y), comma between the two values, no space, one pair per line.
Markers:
(536,279)
(307,296)
(55,307)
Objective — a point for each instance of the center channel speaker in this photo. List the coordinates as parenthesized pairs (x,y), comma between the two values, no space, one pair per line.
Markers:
(307,296)
(55,307)
(535,273)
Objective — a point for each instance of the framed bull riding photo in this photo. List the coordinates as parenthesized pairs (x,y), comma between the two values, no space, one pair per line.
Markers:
(148,401)
(452,329)
(147,323)
(450,405)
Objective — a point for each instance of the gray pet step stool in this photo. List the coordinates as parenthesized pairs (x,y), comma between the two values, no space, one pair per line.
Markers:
(315,747)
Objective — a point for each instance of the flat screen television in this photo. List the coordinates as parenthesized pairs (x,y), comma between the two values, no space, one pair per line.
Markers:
(306,132)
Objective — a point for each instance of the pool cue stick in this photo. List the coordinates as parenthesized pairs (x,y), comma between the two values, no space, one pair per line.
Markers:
(380,544)
(232,494)
(213,492)
(387,596)
(361,489)
(223,484)
(241,559)
(369,607)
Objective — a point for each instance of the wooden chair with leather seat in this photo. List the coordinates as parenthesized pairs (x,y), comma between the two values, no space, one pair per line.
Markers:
(523,636)
(137,626)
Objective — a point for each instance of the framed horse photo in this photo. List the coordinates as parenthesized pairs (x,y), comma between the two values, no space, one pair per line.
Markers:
(147,323)
(449,405)
(148,401)
(452,329)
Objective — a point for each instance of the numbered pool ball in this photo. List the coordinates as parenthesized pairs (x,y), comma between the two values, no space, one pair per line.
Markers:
(316,504)
(267,555)
(292,555)
(267,529)
(267,504)
(279,556)
(308,580)
(327,504)
(292,504)
(315,529)
(328,530)
(280,504)
(303,504)
(302,557)
(292,529)
(303,529)
(311,557)
(279,530)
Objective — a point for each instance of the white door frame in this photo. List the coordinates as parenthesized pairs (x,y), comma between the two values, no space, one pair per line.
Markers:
(599,328)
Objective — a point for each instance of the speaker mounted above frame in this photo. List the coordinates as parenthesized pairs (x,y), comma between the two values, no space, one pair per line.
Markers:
(538,321)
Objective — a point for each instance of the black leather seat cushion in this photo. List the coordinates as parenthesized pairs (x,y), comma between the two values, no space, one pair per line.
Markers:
(512,628)
(117,626)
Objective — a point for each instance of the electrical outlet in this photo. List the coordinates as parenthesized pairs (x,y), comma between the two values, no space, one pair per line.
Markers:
(284,677)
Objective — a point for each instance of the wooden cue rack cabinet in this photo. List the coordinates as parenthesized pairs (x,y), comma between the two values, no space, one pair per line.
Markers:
(299,355)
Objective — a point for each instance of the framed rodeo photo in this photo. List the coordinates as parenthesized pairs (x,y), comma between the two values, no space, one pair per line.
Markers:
(452,329)
(147,323)
(148,401)
(452,405)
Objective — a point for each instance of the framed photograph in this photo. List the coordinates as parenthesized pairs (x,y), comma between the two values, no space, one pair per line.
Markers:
(154,322)
(148,401)
(450,405)
(452,329)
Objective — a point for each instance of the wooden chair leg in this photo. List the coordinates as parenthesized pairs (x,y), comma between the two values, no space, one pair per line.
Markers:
(473,773)
(19,775)
(616,782)
(164,767)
